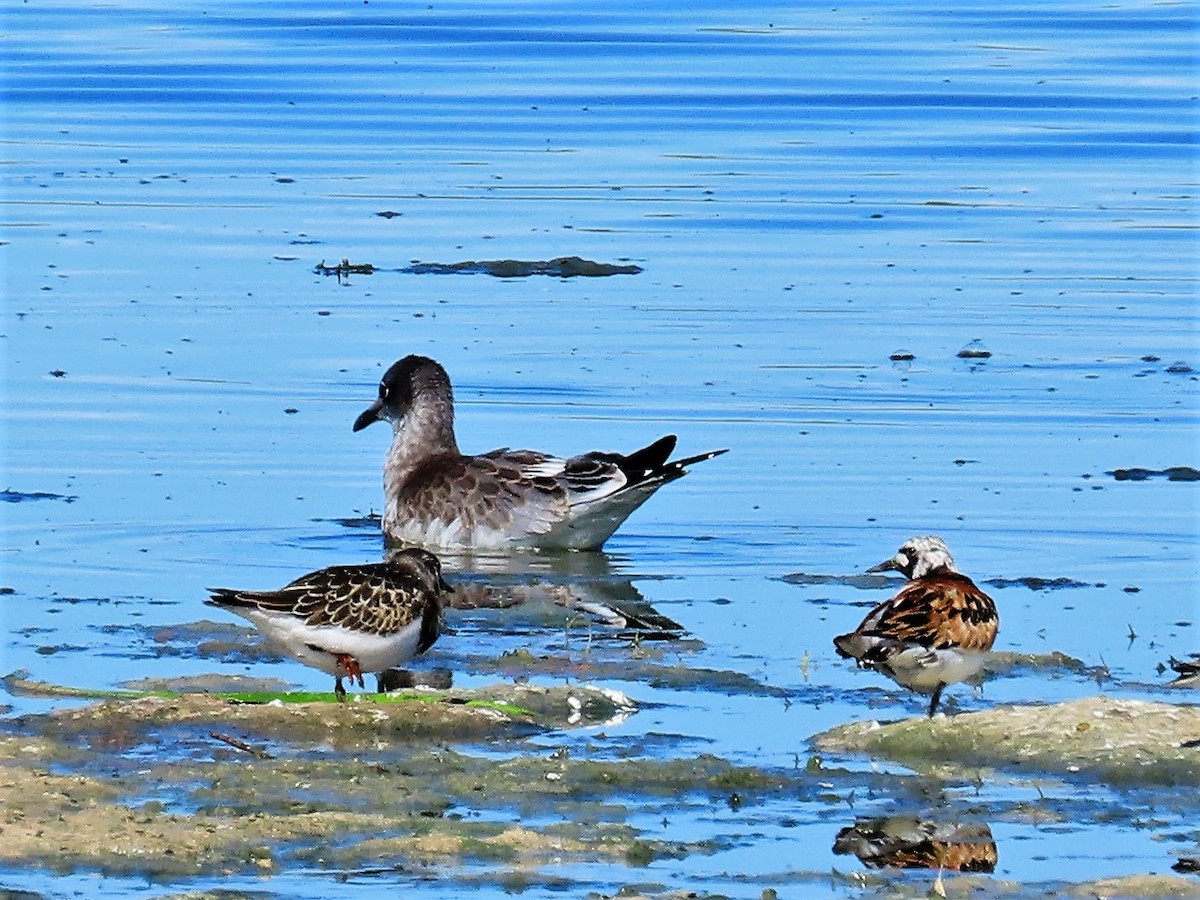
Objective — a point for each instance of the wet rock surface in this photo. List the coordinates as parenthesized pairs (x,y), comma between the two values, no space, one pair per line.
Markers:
(1116,741)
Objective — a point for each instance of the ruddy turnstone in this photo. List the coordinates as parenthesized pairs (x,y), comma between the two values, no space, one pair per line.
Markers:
(903,842)
(436,497)
(346,620)
(934,632)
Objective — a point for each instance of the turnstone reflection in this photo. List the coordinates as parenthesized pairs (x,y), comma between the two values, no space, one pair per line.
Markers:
(346,620)
(903,842)
(437,497)
(934,632)
(1187,671)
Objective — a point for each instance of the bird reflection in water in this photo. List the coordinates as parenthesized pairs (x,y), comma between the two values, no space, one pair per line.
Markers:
(544,591)
(906,842)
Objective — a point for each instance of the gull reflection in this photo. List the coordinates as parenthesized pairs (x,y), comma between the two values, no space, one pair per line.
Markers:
(580,582)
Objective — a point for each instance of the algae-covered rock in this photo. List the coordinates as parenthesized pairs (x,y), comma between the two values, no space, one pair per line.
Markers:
(1118,741)
(1137,886)
(363,720)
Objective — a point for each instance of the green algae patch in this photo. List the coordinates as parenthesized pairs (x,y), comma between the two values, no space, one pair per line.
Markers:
(429,714)
(1122,742)
(363,720)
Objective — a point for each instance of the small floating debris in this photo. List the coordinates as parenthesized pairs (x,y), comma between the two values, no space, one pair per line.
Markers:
(345,267)
(1180,368)
(388,214)
(975,350)
(10,496)
(1171,473)
(1037,584)
(560,267)
(903,356)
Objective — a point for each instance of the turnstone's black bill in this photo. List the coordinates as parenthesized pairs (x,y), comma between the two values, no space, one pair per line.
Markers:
(436,497)
(934,632)
(346,620)
(904,842)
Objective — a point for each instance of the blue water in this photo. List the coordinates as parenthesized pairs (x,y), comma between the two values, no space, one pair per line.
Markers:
(807,191)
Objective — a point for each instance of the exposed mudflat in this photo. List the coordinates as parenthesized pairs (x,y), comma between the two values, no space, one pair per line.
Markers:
(225,786)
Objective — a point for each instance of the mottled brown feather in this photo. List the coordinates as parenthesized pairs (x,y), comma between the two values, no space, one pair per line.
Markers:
(374,599)
(939,610)
(479,491)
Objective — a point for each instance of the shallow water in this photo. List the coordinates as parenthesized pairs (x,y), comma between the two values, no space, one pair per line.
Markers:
(806,191)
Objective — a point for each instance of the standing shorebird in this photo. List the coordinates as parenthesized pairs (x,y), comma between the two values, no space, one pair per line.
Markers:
(437,497)
(934,632)
(346,620)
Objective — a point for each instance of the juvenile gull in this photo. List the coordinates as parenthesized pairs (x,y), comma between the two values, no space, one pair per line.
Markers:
(346,620)
(437,497)
(934,632)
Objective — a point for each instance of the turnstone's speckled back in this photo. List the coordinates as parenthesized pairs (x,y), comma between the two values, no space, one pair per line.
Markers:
(346,620)
(934,632)
(437,497)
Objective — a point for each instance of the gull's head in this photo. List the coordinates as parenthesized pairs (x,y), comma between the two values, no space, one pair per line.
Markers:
(918,557)
(409,383)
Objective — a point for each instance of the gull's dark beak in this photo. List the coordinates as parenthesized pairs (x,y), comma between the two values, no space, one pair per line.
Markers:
(443,586)
(369,415)
(888,565)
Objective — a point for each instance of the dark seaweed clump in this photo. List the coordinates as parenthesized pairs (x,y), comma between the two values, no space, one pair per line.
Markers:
(1171,473)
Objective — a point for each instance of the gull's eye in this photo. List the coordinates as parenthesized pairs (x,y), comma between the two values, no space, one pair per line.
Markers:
(383,391)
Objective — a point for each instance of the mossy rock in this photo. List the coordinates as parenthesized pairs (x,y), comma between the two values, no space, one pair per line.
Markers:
(1117,741)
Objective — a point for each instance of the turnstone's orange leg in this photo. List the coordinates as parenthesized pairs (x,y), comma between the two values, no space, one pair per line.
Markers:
(339,690)
(353,669)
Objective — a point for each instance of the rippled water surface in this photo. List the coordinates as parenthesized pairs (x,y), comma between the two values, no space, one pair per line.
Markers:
(807,193)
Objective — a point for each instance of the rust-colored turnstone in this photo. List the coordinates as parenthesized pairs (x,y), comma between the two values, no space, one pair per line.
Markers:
(437,497)
(346,620)
(934,632)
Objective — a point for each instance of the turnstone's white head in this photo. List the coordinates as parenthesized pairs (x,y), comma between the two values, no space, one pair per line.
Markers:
(918,557)
(435,496)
